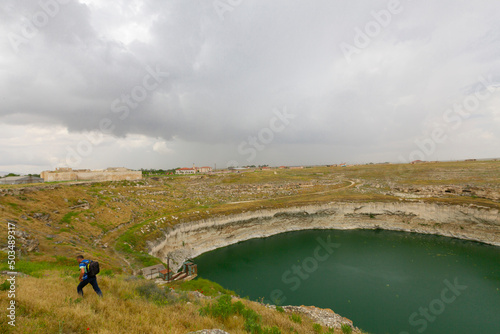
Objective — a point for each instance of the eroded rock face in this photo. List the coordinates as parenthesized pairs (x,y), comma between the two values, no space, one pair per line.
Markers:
(189,240)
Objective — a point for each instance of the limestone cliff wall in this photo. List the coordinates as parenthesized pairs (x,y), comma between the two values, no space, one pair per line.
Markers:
(191,239)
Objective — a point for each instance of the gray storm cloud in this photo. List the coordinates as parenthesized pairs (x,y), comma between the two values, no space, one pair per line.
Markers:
(71,65)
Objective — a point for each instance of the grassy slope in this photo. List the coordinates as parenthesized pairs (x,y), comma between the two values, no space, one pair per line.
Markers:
(49,304)
(121,215)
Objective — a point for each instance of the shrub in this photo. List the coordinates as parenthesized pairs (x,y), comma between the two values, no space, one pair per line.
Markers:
(5,286)
(222,309)
(252,321)
(238,307)
(317,328)
(252,326)
(152,292)
(271,330)
(296,318)
(280,309)
(346,329)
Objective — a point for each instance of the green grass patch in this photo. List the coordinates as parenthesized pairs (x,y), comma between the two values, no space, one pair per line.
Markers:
(65,261)
(67,217)
(132,244)
(103,227)
(145,260)
(107,272)
(14,206)
(206,287)
(36,269)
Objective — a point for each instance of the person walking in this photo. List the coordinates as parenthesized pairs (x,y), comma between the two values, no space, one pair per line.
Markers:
(85,278)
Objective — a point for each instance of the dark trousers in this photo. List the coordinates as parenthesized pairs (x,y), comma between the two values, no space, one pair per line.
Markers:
(93,282)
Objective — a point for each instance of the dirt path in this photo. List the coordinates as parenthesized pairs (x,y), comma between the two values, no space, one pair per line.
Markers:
(316,193)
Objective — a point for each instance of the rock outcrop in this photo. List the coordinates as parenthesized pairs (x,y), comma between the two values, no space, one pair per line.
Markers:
(441,190)
(322,316)
(209,331)
(26,243)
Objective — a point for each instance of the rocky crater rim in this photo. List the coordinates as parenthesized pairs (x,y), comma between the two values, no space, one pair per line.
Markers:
(191,239)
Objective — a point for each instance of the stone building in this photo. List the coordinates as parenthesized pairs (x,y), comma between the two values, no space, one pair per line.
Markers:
(152,271)
(204,169)
(110,174)
(194,170)
(20,179)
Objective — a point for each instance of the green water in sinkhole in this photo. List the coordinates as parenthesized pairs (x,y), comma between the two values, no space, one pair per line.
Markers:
(384,281)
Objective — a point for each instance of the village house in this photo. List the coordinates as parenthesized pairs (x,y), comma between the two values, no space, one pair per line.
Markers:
(185,171)
(193,170)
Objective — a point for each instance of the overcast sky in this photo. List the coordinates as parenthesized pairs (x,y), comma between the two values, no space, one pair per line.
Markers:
(164,84)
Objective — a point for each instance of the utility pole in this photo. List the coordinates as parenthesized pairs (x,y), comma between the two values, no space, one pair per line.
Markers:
(168,269)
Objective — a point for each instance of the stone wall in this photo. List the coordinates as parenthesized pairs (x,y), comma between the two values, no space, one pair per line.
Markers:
(91,176)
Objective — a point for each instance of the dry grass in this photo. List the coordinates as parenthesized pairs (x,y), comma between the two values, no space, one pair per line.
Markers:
(51,305)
